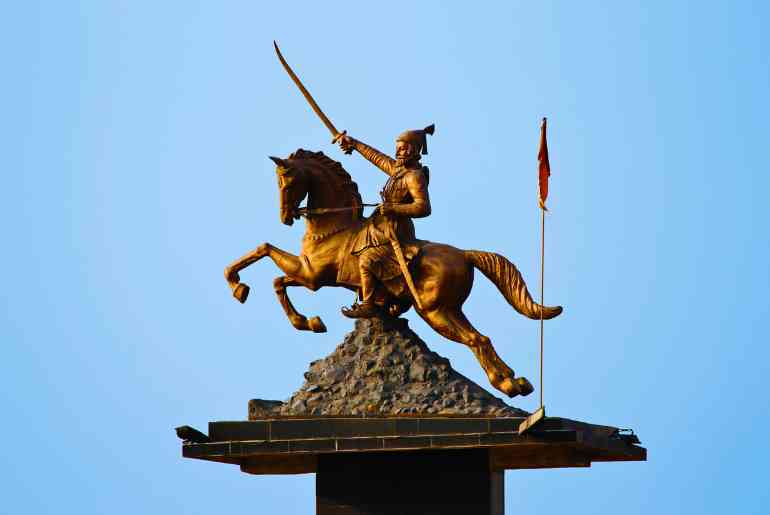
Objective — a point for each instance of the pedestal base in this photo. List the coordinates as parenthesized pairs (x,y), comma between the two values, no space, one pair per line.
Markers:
(407,465)
(399,483)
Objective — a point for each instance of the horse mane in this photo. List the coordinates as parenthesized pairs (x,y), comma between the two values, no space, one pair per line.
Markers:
(326,163)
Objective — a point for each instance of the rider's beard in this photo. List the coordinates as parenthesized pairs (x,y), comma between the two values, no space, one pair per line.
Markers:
(407,161)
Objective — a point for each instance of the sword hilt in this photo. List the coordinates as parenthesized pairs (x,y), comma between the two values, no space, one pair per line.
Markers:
(338,137)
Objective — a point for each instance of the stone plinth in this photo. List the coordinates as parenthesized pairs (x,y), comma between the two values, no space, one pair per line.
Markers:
(293,445)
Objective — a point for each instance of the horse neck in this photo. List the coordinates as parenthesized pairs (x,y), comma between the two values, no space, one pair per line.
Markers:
(329,194)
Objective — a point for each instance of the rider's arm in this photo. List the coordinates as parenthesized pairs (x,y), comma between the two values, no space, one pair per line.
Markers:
(377,158)
(418,189)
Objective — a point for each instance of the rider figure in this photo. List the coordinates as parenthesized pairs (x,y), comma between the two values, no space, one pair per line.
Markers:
(405,196)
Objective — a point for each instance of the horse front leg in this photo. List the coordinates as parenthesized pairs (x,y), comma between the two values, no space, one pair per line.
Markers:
(297,274)
(289,263)
(297,320)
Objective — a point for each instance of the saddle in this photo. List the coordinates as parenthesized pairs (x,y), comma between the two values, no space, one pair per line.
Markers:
(388,272)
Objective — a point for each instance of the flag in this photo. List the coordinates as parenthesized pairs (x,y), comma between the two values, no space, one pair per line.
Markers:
(544,167)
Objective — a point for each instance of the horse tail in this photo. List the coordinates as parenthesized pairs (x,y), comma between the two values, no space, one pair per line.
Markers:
(509,281)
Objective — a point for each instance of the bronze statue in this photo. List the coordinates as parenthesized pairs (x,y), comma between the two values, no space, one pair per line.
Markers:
(379,256)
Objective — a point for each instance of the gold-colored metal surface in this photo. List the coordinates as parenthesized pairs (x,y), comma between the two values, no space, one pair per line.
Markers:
(336,229)
(404,268)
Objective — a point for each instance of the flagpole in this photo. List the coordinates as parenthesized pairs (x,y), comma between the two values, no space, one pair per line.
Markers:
(542,296)
(544,170)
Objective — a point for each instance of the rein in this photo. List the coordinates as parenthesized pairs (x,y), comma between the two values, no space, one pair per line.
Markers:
(307,212)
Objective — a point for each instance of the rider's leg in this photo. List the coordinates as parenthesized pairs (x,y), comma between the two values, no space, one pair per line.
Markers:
(367,308)
(368,283)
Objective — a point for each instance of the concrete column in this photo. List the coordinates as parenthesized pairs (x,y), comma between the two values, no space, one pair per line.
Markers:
(446,482)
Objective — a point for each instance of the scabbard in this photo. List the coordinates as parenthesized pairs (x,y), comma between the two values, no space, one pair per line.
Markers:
(398,251)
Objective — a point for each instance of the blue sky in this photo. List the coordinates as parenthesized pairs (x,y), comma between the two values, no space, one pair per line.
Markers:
(135,144)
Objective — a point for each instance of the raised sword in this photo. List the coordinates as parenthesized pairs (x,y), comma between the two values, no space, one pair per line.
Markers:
(310,100)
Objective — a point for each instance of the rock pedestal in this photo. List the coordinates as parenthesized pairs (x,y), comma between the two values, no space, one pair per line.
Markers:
(383,368)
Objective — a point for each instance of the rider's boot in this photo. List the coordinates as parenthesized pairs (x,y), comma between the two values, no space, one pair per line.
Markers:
(367,308)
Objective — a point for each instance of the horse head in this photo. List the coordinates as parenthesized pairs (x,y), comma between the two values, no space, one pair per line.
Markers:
(322,180)
(292,187)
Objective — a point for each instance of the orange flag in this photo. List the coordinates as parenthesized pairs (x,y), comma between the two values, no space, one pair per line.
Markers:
(544,167)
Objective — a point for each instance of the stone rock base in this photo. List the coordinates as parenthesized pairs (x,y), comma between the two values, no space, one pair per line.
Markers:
(382,368)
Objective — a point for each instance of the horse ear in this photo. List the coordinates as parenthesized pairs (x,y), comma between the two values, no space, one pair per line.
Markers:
(278,161)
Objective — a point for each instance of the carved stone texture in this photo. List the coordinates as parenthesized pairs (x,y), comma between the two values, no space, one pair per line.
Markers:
(383,368)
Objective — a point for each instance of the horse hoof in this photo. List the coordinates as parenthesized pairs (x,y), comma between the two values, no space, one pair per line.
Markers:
(515,386)
(525,387)
(508,387)
(241,292)
(317,325)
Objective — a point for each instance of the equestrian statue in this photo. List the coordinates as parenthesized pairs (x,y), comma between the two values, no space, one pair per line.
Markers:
(379,256)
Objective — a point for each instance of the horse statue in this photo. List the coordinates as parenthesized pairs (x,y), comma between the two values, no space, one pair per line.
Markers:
(442,274)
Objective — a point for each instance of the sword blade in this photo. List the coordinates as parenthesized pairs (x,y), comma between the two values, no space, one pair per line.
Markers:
(306,93)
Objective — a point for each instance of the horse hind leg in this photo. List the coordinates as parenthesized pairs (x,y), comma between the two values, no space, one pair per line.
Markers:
(452,324)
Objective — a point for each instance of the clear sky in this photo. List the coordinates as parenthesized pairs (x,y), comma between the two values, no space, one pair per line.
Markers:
(135,138)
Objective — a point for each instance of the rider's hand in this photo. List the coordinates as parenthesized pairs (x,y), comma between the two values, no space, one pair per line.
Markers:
(386,209)
(346,143)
